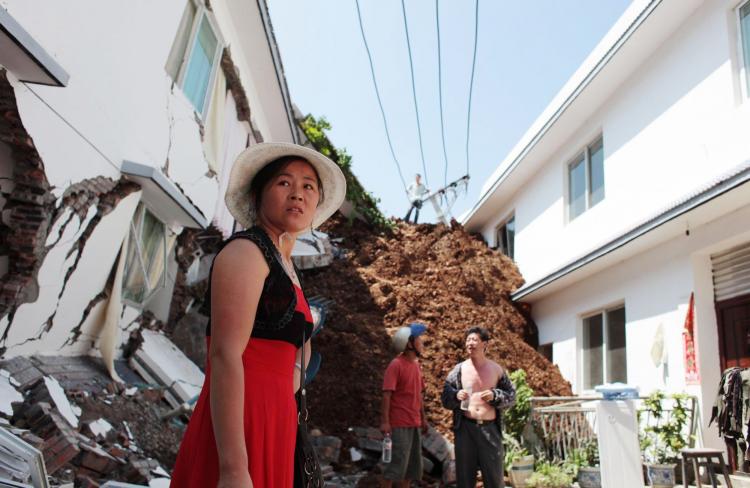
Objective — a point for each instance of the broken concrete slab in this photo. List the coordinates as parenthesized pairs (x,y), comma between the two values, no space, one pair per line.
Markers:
(68,411)
(438,446)
(327,447)
(312,250)
(158,360)
(8,393)
(98,429)
(84,373)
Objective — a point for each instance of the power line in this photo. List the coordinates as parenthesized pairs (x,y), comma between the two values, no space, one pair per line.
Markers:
(414,92)
(377,94)
(471,82)
(78,132)
(440,92)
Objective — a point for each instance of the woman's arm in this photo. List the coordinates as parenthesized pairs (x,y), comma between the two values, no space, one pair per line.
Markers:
(236,285)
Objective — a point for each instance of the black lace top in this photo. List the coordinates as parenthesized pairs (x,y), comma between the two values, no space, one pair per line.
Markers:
(277,316)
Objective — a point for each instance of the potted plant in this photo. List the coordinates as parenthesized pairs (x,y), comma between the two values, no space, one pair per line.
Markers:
(549,475)
(589,474)
(662,443)
(519,463)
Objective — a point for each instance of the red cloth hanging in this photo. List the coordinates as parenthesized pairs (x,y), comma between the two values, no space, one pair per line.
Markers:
(692,374)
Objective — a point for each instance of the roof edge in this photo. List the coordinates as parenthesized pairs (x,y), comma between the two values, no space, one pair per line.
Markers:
(723,185)
(563,106)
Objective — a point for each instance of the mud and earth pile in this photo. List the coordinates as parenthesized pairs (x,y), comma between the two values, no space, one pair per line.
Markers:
(431,273)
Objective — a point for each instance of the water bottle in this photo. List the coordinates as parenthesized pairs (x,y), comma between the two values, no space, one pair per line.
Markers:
(387,448)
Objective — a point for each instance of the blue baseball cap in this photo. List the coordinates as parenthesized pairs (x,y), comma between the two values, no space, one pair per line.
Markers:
(417,329)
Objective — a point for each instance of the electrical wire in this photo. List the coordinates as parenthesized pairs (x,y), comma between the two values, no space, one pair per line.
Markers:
(414,93)
(377,94)
(471,83)
(440,92)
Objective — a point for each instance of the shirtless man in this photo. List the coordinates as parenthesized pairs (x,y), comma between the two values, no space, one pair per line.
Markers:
(477,390)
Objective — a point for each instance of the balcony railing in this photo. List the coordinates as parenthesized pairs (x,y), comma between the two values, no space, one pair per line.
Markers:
(562,424)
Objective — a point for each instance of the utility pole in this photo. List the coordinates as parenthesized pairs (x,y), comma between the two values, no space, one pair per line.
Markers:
(451,189)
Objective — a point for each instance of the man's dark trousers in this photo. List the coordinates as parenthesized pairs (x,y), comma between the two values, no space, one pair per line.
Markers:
(417,204)
(479,446)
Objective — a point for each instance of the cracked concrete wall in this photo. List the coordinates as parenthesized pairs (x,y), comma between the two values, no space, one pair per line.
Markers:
(64,148)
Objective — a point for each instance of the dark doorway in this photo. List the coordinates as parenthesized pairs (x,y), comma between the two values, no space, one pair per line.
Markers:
(733,316)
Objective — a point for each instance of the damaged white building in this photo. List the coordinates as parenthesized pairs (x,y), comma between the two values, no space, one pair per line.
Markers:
(119,122)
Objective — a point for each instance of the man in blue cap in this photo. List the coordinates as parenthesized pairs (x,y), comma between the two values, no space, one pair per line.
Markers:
(403,409)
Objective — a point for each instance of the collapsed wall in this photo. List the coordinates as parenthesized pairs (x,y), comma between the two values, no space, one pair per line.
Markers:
(432,273)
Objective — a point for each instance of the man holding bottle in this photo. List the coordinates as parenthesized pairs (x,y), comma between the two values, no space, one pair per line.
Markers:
(477,390)
(403,415)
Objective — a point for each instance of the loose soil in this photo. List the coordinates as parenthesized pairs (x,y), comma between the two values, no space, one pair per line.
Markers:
(436,274)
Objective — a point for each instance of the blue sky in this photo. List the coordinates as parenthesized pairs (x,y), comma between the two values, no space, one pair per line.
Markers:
(526,51)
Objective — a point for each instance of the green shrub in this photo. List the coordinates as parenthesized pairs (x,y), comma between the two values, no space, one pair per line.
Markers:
(516,417)
(549,475)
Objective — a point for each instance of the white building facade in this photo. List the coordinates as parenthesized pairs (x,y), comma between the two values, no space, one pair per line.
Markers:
(629,194)
(120,124)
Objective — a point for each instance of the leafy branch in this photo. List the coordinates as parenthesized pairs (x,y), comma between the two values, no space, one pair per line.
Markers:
(365,204)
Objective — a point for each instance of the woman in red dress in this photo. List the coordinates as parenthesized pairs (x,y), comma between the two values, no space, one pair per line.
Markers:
(242,431)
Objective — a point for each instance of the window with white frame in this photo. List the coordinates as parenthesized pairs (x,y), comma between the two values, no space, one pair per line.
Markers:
(505,237)
(148,247)
(744,19)
(586,179)
(195,55)
(604,348)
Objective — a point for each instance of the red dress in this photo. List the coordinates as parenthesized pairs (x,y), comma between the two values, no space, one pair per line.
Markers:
(270,416)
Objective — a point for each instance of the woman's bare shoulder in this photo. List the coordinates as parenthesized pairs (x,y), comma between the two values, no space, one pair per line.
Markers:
(241,256)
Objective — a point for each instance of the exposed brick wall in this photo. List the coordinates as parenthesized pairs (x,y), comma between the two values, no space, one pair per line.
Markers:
(232,74)
(31,204)
(191,243)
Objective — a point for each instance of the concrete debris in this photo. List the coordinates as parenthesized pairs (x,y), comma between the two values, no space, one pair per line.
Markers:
(327,447)
(69,411)
(98,429)
(312,250)
(8,393)
(159,361)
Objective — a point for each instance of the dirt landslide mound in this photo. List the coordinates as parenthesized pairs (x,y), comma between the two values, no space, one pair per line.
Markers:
(431,273)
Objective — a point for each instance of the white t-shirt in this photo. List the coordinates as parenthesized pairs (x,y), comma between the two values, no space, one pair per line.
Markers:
(416,191)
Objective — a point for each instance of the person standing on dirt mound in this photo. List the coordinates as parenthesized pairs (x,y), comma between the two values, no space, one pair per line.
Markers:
(477,390)
(416,191)
(403,409)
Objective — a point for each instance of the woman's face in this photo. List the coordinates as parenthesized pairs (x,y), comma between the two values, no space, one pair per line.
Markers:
(290,198)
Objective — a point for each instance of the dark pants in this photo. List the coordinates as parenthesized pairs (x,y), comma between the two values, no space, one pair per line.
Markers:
(414,205)
(479,447)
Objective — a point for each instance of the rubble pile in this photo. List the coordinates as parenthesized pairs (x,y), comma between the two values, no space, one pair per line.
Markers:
(432,273)
(88,433)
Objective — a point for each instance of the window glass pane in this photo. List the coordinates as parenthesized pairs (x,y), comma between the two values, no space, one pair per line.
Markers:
(152,246)
(577,182)
(510,233)
(617,361)
(501,237)
(145,262)
(745,27)
(596,172)
(593,341)
(198,72)
(134,282)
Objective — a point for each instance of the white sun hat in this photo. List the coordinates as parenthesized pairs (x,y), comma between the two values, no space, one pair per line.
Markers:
(250,161)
